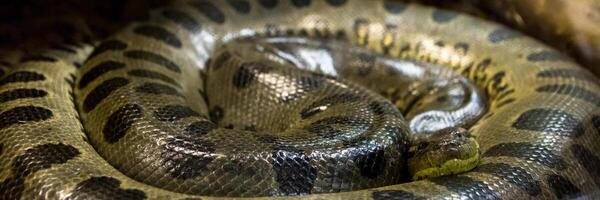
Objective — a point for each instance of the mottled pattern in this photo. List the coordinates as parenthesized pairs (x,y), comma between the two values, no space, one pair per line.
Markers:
(134,114)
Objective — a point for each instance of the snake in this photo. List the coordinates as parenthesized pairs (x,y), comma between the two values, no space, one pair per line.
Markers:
(128,118)
(573,28)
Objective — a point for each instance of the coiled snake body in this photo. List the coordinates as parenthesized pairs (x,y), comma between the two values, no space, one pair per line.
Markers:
(139,99)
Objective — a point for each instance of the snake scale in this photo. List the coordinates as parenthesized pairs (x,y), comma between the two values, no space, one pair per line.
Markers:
(61,109)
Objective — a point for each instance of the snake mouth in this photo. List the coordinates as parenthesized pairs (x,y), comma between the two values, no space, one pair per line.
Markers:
(449,167)
(447,153)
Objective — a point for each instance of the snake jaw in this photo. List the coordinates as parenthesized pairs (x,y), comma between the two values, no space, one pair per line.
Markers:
(451,151)
(453,166)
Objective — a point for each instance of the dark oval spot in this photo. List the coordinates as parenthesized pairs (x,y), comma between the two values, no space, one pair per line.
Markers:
(42,157)
(545,56)
(99,70)
(142,73)
(467,187)
(371,164)
(572,91)
(384,108)
(241,6)
(23,114)
(104,187)
(588,160)
(158,33)
(336,2)
(395,195)
(38,58)
(183,19)
(269,4)
(21,94)
(515,175)
(443,16)
(64,48)
(550,121)
(153,58)
(120,121)
(532,152)
(12,188)
(462,46)
(300,3)
(158,89)
(295,174)
(186,158)
(200,128)
(309,83)
(22,76)
(502,34)
(109,45)
(172,113)
(210,11)
(562,187)
(102,91)
(568,73)
(394,7)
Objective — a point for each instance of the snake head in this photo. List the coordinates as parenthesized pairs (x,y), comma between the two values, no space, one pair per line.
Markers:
(448,151)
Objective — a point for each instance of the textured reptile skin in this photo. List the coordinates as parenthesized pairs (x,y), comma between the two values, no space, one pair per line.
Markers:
(138,100)
(572,26)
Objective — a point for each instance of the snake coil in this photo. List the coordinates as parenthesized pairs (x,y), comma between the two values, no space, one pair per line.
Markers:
(139,102)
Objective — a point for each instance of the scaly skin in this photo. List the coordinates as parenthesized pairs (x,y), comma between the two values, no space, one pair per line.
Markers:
(573,26)
(537,139)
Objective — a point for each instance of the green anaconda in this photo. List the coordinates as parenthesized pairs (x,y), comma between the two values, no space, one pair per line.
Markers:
(128,118)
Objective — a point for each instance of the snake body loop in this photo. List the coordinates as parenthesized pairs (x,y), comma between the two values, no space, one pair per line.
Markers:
(133,121)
